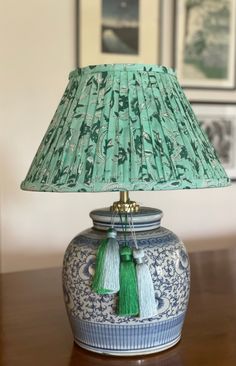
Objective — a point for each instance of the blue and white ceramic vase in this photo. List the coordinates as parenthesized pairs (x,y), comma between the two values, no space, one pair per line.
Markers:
(93,318)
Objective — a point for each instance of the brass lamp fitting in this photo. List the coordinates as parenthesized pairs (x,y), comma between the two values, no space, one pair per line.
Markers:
(124,204)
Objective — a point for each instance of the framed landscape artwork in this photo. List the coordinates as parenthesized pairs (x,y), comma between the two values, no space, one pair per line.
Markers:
(219,122)
(205,38)
(118,31)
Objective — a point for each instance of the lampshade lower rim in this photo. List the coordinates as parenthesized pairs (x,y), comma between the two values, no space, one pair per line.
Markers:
(116,187)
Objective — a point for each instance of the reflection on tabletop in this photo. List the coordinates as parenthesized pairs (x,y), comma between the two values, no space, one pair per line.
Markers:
(170,357)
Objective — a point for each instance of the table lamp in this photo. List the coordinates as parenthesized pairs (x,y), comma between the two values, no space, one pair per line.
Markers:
(125,127)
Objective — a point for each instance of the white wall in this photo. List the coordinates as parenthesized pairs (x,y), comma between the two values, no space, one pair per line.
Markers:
(37,53)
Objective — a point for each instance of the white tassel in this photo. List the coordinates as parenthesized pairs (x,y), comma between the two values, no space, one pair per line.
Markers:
(111,275)
(146,293)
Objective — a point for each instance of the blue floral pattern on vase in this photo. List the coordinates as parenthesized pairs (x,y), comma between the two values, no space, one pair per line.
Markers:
(169,267)
(95,324)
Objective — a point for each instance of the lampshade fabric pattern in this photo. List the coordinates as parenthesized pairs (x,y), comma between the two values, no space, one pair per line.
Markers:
(124,127)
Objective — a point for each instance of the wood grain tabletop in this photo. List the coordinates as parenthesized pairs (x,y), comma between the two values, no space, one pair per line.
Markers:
(35,330)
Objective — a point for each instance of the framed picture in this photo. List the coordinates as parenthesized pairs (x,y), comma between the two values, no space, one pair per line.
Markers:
(219,122)
(118,31)
(205,40)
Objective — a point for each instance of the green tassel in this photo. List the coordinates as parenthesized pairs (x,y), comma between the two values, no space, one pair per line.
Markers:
(128,295)
(106,279)
(99,265)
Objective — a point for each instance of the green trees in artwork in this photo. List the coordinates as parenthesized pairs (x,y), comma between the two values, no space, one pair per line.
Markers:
(190,4)
(207,30)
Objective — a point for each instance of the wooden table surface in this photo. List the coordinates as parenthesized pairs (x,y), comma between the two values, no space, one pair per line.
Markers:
(35,330)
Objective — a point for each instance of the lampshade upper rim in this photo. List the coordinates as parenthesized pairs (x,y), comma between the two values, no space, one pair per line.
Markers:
(91,69)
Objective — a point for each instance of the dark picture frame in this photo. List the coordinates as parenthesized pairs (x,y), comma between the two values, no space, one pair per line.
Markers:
(205,44)
(219,122)
(116,31)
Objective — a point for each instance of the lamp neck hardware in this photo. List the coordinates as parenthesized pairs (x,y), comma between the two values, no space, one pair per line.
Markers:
(125,205)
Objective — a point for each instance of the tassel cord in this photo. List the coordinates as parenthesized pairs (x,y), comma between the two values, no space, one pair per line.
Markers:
(113,217)
(124,227)
(132,230)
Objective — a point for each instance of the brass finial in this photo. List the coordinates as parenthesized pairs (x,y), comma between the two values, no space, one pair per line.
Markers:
(124,204)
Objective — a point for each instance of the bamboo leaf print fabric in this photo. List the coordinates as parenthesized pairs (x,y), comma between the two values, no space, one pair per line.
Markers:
(124,127)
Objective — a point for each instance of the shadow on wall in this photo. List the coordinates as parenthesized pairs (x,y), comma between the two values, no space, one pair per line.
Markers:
(205,244)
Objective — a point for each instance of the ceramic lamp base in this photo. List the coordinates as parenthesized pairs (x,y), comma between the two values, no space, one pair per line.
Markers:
(144,351)
(94,321)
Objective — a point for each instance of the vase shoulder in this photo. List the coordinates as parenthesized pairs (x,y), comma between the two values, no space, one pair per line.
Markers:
(156,237)
(147,218)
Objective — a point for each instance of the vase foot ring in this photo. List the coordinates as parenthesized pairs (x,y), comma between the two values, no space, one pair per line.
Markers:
(135,352)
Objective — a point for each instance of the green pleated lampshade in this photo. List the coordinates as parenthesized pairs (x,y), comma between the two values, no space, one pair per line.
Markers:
(124,127)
